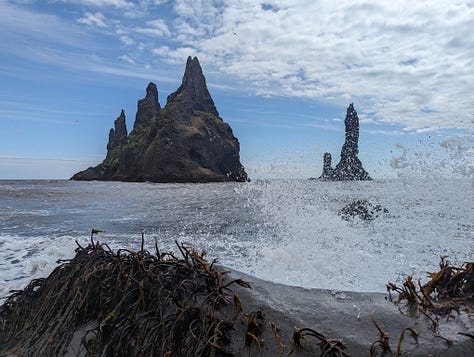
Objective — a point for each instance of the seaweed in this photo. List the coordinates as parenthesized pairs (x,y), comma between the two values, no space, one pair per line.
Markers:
(328,347)
(124,303)
(139,304)
(447,291)
(277,334)
(254,329)
(383,342)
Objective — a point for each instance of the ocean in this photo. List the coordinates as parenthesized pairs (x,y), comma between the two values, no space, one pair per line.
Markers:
(285,231)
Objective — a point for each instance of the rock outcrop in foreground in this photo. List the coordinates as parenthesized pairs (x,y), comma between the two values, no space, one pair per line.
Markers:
(349,167)
(186,141)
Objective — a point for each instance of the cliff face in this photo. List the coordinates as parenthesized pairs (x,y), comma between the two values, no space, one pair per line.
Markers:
(186,141)
(349,166)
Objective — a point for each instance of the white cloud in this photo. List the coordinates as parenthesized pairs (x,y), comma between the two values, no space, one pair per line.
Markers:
(22,27)
(406,63)
(127,59)
(120,4)
(93,19)
(127,41)
(156,28)
(49,39)
(409,63)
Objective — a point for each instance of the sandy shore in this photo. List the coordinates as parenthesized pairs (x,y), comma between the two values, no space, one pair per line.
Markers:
(337,315)
(128,303)
(347,316)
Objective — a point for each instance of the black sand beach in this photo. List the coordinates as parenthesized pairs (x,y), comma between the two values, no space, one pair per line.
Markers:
(138,303)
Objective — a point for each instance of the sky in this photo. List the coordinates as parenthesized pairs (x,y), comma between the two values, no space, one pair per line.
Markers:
(281,74)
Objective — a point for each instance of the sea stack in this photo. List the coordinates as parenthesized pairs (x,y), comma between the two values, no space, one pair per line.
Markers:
(349,166)
(327,166)
(186,141)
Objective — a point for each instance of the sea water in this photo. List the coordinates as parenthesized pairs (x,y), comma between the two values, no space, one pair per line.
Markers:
(285,231)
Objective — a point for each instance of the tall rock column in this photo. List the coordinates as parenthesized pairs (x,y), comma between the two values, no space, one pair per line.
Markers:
(327,167)
(350,149)
(350,167)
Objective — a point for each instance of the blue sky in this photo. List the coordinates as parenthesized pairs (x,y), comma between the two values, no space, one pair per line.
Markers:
(281,73)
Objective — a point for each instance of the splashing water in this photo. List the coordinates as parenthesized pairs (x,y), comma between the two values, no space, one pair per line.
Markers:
(314,247)
(286,231)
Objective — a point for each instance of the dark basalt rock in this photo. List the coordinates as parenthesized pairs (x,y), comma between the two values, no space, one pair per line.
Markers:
(364,209)
(147,108)
(193,93)
(327,167)
(349,166)
(118,136)
(186,141)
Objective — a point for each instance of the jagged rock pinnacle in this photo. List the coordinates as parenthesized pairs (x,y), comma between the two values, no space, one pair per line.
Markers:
(148,107)
(118,135)
(193,93)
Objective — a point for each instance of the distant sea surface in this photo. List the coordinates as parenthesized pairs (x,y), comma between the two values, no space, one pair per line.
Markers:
(285,231)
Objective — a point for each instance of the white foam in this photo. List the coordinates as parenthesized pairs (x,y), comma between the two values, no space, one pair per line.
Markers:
(287,231)
(23,259)
(316,248)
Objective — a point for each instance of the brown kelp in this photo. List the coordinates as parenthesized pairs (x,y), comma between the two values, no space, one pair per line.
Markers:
(141,304)
(125,303)
(254,329)
(383,342)
(328,347)
(448,290)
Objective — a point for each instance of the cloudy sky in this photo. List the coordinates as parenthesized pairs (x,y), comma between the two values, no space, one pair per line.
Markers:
(281,73)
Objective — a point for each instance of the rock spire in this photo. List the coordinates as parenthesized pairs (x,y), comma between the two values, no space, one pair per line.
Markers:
(193,93)
(327,167)
(147,108)
(349,166)
(118,136)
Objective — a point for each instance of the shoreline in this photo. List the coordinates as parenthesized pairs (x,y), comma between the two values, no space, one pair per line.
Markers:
(347,316)
(338,315)
(100,296)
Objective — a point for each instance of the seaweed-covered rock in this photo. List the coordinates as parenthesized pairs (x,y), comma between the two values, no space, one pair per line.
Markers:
(186,141)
